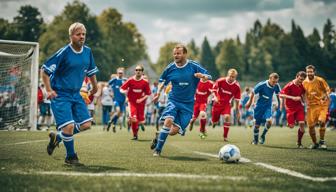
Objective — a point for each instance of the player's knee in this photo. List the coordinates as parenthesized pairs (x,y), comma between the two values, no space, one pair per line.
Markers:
(133,120)
(68,129)
(168,122)
(203,115)
(173,131)
(227,118)
(85,126)
(291,126)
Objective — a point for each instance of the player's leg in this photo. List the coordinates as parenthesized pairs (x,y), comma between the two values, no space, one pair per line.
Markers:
(133,120)
(268,124)
(195,116)
(203,121)
(68,141)
(141,116)
(168,116)
(322,122)
(312,119)
(258,116)
(215,114)
(300,117)
(227,121)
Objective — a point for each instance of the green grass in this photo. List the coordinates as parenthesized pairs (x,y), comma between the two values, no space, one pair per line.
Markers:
(102,152)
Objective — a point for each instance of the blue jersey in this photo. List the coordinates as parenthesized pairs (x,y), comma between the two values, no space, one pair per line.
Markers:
(115,84)
(332,105)
(183,81)
(67,68)
(244,98)
(265,91)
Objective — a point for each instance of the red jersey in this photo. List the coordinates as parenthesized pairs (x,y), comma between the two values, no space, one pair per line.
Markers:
(293,90)
(203,91)
(136,89)
(225,91)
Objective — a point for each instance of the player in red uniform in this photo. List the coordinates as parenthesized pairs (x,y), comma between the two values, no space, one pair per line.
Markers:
(293,94)
(225,89)
(204,89)
(137,89)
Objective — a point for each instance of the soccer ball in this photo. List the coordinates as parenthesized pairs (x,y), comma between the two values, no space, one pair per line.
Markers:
(20,122)
(229,153)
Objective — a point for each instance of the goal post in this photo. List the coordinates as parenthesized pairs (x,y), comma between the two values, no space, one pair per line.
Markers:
(19,73)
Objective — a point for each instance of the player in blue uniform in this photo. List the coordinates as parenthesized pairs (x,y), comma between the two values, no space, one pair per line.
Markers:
(184,76)
(263,109)
(63,75)
(119,98)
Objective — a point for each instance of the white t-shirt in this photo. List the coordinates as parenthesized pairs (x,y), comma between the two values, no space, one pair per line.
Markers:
(106,98)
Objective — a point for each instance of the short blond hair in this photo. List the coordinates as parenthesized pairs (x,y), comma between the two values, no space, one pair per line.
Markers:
(234,71)
(274,75)
(184,48)
(73,27)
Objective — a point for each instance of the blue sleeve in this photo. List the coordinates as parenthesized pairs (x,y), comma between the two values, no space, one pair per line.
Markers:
(164,77)
(203,71)
(258,88)
(111,82)
(50,66)
(92,66)
(277,89)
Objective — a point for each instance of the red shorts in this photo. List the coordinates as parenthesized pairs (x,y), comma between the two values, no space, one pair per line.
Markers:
(137,111)
(295,115)
(198,107)
(218,110)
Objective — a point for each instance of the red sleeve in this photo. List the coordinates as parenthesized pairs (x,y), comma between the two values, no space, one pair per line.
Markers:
(147,89)
(285,89)
(215,86)
(237,94)
(125,85)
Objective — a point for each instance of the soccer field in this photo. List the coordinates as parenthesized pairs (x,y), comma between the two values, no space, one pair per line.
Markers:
(112,162)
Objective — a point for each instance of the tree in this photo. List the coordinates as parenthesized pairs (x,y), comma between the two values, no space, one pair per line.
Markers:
(28,24)
(193,50)
(165,57)
(208,60)
(7,30)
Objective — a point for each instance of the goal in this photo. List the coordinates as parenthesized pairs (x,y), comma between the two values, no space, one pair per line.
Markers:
(18,84)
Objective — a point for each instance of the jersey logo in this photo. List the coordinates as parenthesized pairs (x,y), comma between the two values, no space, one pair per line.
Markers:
(264,96)
(227,92)
(201,93)
(137,90)
(52,67)
(183,83)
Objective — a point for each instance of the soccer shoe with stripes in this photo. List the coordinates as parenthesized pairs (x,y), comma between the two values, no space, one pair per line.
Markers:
(322,145)
(254,142)
(53,143)
(135,138)
(300,146)
(202,135)
(262,140)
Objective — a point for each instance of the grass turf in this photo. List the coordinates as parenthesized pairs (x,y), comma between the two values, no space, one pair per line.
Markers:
(24,161)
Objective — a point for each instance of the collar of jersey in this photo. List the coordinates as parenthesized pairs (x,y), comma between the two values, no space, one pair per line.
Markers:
(228,82)
(76,52)
(182,65)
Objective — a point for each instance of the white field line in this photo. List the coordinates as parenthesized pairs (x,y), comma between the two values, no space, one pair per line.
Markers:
(276,169)
(130,174)
(25,142)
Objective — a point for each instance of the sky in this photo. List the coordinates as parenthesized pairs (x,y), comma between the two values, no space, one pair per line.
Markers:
(182,20)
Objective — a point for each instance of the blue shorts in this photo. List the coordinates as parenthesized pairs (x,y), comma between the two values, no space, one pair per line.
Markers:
(261,114)
(69,108)
(181,114)
(121,105)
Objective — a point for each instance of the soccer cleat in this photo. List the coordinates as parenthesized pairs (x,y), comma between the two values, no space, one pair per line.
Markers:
(226,139)
(114,128)
(262,140)
(156,154)
(72,160)
(254,142)
(154,142)
(142,127)
(322,145)
(53,143)
(300,146)
(109,126)
(135,138)
(202,135)
(213,125)
(314,146)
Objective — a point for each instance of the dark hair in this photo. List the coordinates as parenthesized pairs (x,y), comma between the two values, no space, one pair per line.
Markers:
(310,67)
(301,74)
(141,66)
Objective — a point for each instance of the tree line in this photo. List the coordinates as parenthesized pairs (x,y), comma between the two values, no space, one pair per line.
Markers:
(267,48)
(114,42)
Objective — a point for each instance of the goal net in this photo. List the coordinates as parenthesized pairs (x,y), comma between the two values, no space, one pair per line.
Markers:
(18,84)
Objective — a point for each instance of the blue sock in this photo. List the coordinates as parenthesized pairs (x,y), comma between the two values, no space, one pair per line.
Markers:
(115,119)
(69,144)
(162,138)
(59,137)
(255,134)
(76,129)
(264,131)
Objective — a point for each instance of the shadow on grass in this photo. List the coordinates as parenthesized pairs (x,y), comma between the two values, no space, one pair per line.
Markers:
(144,140)
(93,168)
(184,158)
(294,148)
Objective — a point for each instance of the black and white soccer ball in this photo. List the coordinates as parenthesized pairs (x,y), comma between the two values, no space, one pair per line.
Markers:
(229,153)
